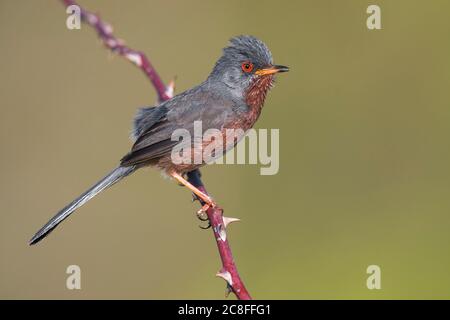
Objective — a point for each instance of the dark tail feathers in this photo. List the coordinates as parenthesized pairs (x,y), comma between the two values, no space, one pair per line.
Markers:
(115,176)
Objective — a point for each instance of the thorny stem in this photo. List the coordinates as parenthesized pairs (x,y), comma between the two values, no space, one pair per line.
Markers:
(215,215)
(218,224)
(116,45)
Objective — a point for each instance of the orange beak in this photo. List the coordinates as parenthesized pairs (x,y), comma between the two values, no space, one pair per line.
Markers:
(271,70)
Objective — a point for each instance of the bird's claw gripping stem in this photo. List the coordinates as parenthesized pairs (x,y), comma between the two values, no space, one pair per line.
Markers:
(201,214)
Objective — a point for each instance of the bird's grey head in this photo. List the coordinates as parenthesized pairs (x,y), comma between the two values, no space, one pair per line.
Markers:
(243,62)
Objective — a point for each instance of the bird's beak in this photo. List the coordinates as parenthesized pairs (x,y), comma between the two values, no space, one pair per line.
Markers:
(271,70)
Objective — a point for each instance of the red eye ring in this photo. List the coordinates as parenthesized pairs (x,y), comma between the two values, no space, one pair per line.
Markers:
(247,66)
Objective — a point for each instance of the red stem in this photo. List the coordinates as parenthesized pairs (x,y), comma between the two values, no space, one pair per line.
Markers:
(116,45)
(215,215)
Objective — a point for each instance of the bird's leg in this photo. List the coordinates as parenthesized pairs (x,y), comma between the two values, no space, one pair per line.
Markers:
(209,202)
(182,185)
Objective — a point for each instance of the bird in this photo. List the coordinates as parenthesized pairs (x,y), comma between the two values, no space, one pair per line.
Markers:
(231,97)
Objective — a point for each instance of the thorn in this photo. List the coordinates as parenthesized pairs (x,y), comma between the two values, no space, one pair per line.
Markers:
(91,18)
(170,88)
(220,230)
(228,220)
(111,43)
(107,28)
(135,58)
(228,290)
(225,275)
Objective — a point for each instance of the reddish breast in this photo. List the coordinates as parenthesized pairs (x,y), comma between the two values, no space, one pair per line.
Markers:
(255,97)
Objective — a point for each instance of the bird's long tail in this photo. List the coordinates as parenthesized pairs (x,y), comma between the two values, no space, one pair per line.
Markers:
(115,176)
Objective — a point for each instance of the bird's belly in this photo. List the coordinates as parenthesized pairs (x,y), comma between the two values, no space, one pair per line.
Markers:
(212,145)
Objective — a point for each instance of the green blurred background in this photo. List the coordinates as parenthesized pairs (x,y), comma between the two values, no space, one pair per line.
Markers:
(364,176)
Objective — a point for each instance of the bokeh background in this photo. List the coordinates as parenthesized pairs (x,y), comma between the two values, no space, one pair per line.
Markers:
(364,178)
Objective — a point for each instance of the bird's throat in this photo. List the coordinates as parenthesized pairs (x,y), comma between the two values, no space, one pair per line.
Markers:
(256,95)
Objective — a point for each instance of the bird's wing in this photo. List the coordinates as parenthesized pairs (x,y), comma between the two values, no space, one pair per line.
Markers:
(155,138)
(146,118)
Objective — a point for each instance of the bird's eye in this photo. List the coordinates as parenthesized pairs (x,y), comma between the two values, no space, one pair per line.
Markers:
(247,66)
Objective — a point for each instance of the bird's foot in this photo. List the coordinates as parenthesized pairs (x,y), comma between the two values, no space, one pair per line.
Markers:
(202,215)
(209,203)
(206,227)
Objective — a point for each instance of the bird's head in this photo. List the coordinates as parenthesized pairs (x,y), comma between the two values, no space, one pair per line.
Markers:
(246,67)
